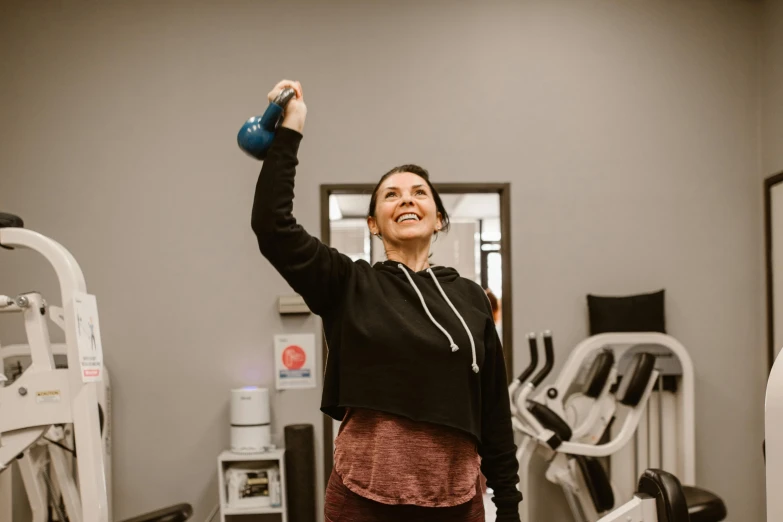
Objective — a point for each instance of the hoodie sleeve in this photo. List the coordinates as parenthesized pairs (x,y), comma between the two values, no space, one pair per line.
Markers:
(314,270)
(497,449)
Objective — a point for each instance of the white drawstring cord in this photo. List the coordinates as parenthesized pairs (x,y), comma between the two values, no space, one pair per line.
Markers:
(470,335)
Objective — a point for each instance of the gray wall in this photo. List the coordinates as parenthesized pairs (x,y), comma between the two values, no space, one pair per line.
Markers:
(629,132)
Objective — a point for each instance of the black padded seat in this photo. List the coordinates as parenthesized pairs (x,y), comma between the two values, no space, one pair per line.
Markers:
(703,505)
(175,513)
(667,491)
(597,482)
(598,373)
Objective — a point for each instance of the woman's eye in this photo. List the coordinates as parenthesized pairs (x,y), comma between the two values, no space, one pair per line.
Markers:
(421,192)
(390,194)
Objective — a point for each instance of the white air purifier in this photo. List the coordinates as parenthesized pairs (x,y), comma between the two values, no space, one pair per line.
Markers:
(250,427)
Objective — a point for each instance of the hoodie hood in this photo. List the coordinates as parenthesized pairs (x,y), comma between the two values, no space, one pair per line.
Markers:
(438,274)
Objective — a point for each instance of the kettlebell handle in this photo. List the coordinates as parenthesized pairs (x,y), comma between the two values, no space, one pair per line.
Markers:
(284,97)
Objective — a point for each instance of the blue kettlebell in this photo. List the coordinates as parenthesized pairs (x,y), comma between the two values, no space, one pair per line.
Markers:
(256,135)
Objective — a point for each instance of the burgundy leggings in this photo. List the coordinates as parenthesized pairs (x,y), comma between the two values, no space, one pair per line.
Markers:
(342,504)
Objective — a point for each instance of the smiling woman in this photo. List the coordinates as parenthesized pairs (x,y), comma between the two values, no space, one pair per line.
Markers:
(415,371)
(473,239)
(406,212)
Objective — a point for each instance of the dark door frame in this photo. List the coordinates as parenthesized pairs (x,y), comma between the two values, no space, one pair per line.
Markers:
(504,192)
(770,182)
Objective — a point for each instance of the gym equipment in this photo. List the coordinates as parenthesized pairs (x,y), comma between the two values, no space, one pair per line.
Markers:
(45,396)
(590,409)
(573,466)
(256,135)
(300,472)
(46,468)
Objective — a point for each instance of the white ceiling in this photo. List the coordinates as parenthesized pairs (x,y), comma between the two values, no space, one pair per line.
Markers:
(459,206)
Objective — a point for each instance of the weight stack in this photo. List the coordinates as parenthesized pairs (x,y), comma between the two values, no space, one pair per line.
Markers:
(300,472)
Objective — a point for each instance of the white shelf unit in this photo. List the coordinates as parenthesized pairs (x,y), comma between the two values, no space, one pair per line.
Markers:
(227,458)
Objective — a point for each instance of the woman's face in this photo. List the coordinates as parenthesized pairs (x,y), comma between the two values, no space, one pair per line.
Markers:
(404,210)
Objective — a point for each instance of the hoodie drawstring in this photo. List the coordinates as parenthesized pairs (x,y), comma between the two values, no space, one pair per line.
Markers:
(453,345)
(465,326)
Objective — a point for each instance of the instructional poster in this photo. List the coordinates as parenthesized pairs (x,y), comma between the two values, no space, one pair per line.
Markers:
(88,337)
(294,361)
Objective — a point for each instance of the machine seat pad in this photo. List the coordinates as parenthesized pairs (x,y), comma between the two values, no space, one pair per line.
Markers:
(704,506)
(668,493)
(176,513)
(550,420)
(597,482)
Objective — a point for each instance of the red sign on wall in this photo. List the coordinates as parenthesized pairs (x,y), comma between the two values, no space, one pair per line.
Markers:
(294,357)
(295,361)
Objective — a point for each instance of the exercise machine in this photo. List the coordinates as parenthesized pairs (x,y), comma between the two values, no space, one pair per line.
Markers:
(589,408)
(644,361)
(44,397)
(46,468)
(574,465)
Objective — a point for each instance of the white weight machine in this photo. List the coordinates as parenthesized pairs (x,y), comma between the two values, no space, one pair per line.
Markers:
(572,430)
(659,496)
(47,467)
(44,397)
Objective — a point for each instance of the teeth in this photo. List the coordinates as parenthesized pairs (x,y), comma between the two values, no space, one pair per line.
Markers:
(406,217)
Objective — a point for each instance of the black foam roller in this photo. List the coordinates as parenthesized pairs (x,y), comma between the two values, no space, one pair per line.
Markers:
(300,472)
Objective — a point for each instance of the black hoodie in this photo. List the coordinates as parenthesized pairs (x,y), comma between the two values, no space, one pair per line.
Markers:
(418,344)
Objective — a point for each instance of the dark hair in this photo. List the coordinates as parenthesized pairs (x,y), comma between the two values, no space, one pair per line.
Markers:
(422,173)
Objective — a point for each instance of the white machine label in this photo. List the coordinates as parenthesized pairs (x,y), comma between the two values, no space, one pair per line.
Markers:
(48,396)
(88,335)
(295,361)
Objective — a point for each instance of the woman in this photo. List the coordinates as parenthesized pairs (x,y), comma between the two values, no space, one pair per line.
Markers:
(415,369)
